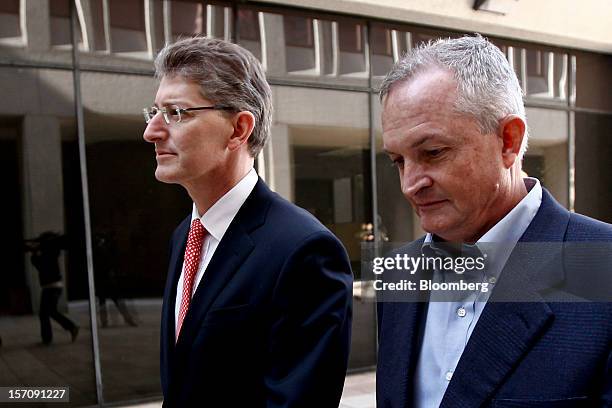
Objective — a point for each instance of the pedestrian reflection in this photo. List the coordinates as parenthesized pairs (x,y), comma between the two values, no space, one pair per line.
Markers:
(45,250)
(106,273)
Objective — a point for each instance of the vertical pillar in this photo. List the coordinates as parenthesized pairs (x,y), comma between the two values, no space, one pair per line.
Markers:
(274,57)
(37,28)
(279,166)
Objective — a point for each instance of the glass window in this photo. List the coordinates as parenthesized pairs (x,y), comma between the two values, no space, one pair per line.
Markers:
(381,43)
(187,19)
(593,174)
(547,74)
(94,22)
(44,310)
(299,44)
(319,158)
(129,235)
(248,32)
(388,45)
(9,19)
(594,81)
(351,45)
(59,11)
(127,27)
(547,155)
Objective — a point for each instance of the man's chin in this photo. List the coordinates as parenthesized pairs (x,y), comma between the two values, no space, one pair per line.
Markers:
(435,226)
(165,176)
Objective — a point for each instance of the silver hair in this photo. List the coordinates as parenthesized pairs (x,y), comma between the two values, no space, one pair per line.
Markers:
(227,74)
(487,86)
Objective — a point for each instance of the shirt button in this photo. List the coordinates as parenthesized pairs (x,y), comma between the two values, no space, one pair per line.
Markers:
(461,312)
(492,280)
(449,375)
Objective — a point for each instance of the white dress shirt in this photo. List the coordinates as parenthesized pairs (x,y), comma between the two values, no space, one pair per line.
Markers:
(216,221)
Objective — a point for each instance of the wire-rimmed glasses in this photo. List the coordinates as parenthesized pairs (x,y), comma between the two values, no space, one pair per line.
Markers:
(174,113)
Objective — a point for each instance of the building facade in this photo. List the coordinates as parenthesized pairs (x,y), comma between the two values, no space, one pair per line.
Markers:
(75,75)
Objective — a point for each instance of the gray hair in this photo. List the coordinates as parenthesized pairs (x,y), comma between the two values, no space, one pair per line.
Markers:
(228,75)
(487,86)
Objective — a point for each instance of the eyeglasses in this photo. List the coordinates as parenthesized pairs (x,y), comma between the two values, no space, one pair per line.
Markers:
(174,113)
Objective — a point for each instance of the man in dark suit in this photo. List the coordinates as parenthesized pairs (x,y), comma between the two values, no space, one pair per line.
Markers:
(257,305)
(454,124)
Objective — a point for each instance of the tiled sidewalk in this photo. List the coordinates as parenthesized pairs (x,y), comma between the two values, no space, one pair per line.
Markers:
(359,392)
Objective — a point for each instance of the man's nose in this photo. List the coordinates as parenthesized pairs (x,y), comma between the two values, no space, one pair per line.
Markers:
(156,129)
(414,179)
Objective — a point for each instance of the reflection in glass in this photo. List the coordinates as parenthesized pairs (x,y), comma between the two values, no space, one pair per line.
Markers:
(188,18)
(319,158)
(299,43)
(248,34)
(381,45)
(9,19)
(547,74)
(44,309)
(130,234)
(547,155)
(127,27)
(351,45)
(593,171)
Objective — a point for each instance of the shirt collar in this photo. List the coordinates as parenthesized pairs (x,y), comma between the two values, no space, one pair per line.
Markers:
(219,217)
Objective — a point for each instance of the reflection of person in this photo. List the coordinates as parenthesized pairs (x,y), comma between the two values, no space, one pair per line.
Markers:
(257,305)
(106,265)
(454,124)
(45,253)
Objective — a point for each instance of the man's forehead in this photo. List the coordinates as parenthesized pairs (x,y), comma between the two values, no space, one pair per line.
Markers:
(432,87)
(177,88)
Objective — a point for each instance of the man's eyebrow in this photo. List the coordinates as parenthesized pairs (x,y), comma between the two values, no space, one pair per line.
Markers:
(426,138)
(172,100)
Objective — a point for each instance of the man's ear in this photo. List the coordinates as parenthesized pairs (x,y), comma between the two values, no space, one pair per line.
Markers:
(243,123)
(512,132)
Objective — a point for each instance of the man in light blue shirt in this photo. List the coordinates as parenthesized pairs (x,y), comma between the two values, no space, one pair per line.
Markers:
(454,125)
(449,325)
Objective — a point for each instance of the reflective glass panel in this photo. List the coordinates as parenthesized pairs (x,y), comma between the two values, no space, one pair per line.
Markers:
(132,218)
(44,308)
(593,171)
(319,158)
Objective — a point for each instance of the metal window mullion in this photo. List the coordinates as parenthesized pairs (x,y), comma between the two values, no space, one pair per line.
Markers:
(149,26)
(167,17)
(335,44)
(366,48)
(106,24)
(373,175)
(263,41)
(571,101)
(523,68)
(395,45)
(317,36)
(209,20)
(86,209)
(550,74)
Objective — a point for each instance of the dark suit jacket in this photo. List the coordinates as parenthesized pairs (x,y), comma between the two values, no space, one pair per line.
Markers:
(536,353)
(269,324)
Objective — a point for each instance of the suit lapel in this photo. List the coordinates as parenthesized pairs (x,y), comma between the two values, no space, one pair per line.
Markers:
(402,338)
(506,331)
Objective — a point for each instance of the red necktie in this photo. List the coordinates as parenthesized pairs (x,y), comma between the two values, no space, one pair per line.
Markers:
(192,262)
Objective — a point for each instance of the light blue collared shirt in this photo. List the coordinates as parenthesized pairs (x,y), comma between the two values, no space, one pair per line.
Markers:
(449,325)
